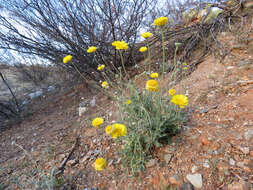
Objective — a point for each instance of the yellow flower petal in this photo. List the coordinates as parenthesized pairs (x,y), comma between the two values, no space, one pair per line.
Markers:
(143,49)
(100,164)
(101,67)
(160,21)
(146,34)
(108,129)
(91,49)
(105,84)
(120,45)
(97,121)
(118,130)
(180,100)
(154,75)
(172,92)
(128,102)
(152,85)
(67,58)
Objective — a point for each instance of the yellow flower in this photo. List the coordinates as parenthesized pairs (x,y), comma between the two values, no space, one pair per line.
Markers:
(100,164)
(108,129)
(180,100)
(91,49)
(154,75)
(160,21)
(172,92)
(67,58)
(143,49)
(118,130)
(152,85)
(97,121)
(105,84)
(184,63)
(185,68)
(128,102)
(120,45)
(146,34)
(101,67)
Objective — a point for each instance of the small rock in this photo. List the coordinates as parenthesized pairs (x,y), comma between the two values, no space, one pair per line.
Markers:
(175,180)
(231,162)
(151,163)
(195,179)
(82,110)
(240,164)
(245,150)
(167,158)
(194,169)
(206,165)
(230,67)
(251,153)
(248,134)
(187,186)
(241,185)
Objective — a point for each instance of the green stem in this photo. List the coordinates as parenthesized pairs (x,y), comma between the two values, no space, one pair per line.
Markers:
(149,58)
(163,47)
(79,72)
(122,63)
(175,64)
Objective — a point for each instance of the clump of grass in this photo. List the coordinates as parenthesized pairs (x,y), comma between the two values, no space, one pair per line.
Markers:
(151,120)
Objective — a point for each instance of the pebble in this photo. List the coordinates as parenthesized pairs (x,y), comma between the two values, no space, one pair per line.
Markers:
(195,179)
(231,162)
(206,165)
(151,163)
(194,169)
(248,134)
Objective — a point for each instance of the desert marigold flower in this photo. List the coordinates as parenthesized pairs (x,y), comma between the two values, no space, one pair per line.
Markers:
(185,68)
(120,45)
(146,34)
(97,121)
(160,21)
(143,49)
(172,92)
(105,84)
(180,100)
(100,164)
(184,63)
(128,102)
(67,58)
(118,130)
(91,49)
(108,129)
(154,75)
(152,85)
(101,67)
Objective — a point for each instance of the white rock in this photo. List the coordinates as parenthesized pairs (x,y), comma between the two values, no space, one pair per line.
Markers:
(245,150)
(35,94)
(195,179)
(82,110)
(231,162)
(206,165)
(248,134)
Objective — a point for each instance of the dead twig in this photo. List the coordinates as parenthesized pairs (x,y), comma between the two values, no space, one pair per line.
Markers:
(64,162)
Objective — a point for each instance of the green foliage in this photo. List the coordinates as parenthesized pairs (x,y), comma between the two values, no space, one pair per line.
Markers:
(151,120)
